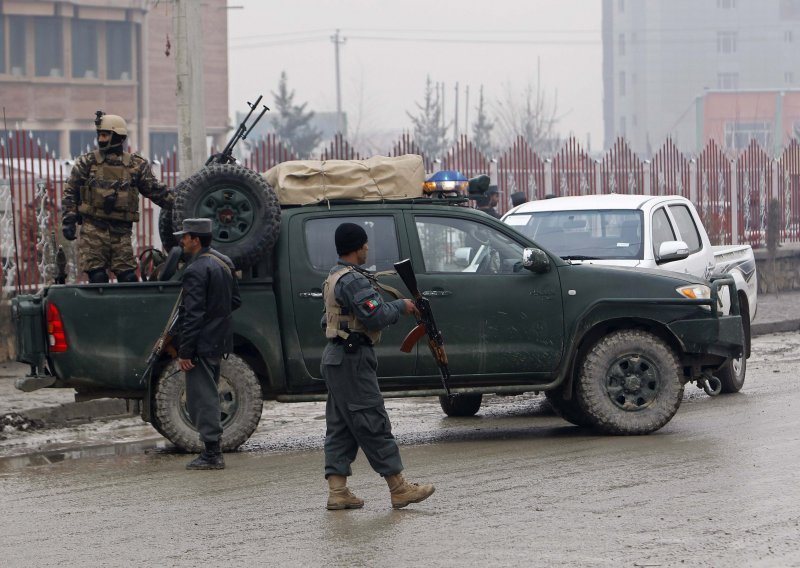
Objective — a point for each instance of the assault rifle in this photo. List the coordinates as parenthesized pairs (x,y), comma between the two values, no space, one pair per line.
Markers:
(164,341)
(425,323)
(226,156)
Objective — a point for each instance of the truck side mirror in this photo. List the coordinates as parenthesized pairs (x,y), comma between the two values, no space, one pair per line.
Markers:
(535,260)
(672,250)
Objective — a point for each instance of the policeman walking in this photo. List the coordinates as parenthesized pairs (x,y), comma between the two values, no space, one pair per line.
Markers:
(102,194)
(210,294)
(356,417)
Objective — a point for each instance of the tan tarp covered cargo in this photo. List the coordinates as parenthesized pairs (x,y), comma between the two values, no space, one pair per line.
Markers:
(302,182)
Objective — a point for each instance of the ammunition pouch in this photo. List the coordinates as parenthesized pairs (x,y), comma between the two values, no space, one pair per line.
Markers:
(109,192)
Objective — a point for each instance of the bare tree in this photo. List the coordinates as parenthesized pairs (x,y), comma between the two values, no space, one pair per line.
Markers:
(482,128)
(530,115)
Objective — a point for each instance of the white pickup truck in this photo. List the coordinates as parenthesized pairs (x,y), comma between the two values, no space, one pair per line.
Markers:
(643,231)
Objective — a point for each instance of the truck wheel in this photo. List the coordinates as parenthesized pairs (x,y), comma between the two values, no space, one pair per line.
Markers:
(239,396)
(466,404)
(630,383)
(569,410)
(242,206)
(732,375)
(165,230)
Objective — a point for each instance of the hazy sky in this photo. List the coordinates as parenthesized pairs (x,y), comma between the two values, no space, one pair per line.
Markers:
(388,53)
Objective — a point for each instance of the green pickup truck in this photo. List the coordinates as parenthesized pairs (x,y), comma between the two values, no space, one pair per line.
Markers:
(611,347)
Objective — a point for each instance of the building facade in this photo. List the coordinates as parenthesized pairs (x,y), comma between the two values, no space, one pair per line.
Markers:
(668,64)
(60,61)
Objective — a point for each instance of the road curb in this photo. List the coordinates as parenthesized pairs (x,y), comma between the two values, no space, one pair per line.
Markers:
(74,413)
(774,327)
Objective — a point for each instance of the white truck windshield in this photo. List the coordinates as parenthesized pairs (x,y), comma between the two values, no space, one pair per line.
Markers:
(591,234)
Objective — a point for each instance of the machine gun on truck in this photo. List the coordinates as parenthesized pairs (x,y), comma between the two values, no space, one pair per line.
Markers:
(226,156)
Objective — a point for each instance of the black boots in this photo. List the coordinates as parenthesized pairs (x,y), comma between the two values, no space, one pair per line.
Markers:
(210,458)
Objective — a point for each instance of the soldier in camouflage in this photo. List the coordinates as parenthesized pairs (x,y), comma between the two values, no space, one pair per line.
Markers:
(102,195)
(355,413)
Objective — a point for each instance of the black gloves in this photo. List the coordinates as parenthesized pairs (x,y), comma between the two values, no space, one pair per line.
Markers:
(68,227)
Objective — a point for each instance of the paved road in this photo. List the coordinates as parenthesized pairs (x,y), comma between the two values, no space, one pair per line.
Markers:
(516,486)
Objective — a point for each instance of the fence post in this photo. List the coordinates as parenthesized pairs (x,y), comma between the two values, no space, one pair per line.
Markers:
(693,193)
(734,203)
(647,167)
(548,177)
(493,179)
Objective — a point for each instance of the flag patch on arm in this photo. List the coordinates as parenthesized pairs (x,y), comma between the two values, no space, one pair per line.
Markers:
(372,304)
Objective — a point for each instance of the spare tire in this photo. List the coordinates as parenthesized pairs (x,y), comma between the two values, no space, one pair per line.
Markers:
(242,206)
(165,230)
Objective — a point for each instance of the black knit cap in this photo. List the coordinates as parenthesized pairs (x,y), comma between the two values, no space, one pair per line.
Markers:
(349,237)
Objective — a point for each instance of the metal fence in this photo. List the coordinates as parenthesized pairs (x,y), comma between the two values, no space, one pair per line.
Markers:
(732,192)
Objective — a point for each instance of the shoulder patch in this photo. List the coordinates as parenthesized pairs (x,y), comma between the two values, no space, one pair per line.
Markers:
(372,304)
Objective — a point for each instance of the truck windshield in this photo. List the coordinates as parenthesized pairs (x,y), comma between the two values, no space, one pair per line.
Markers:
(586,234)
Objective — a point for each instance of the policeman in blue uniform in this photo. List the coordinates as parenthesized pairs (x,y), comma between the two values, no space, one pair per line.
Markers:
(355,314)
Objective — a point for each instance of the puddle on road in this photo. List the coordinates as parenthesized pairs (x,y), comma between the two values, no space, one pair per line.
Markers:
(56,456)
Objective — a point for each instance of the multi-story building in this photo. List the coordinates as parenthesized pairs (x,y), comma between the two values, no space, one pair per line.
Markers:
(666,63)
(60,61)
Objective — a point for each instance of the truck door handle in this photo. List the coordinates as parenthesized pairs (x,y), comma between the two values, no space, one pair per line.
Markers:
(437,293)
(310,294)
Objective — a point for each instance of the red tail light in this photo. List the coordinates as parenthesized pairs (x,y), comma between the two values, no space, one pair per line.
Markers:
(56,336)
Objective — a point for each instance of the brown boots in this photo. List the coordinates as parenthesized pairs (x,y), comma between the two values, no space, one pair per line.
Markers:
(339,496)
(405,493)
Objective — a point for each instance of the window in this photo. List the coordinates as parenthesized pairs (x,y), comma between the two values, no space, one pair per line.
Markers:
(622,83)
(594,233)
(48,139)
(686,227)
(622,44)
(739,134)
(49,48)
(461,245)
(662,230)
(118,50)
(381,235)
(726,4)
(728,81)
(727,42)
(788,37)
(16,36)
(788,77)
(163,144)
(82,141)
(84,49)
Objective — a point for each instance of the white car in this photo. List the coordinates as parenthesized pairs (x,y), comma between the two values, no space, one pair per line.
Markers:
(656,232)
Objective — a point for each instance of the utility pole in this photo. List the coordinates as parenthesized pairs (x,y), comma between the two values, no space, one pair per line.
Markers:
(189,88)
(455,131)
(466,109)
(337,41)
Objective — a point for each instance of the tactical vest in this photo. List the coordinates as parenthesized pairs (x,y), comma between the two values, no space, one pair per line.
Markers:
(109,193)
(339,321)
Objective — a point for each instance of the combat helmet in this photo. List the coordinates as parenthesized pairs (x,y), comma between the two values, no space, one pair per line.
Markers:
(111,123)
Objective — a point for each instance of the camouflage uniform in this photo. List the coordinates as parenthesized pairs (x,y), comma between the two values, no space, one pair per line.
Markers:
(103,190)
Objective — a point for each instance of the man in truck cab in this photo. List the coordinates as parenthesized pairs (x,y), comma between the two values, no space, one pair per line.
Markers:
(208,297)
(355,415)
(102,195)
